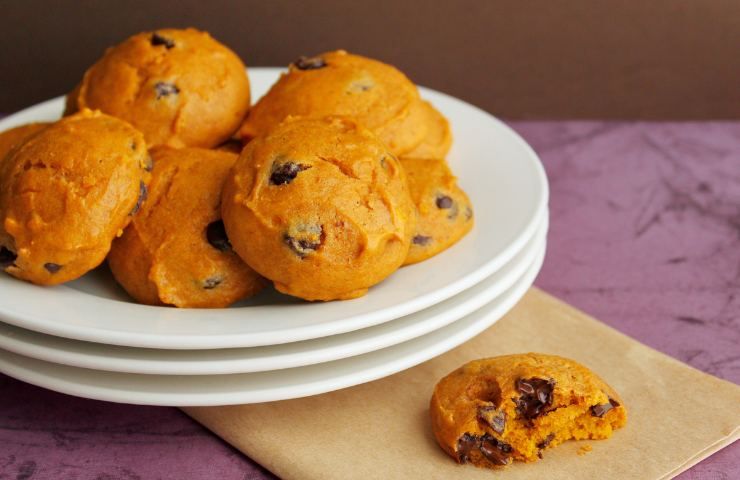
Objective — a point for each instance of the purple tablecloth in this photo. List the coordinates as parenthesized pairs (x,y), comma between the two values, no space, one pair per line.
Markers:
(645,235)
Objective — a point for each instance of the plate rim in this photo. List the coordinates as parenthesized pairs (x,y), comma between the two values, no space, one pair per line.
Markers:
(10,342)
(489,314)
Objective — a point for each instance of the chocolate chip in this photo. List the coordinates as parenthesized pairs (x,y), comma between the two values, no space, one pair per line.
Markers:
(466,444)
(544,443)
(286,172)
(301,247)
(496,451)
(304,239)
(536,396)
(148,163)
(493,418)
(143,194)
(158,39)
(421,240)
(7,258)
(309,63)
(165,89)
(212,282)
(444,202)
(216,235)
(133,145)
(52,267)
(602,409)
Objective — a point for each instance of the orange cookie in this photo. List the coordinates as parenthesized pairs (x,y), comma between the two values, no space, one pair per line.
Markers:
(491,411)
(320,207)
(444,212)
(9,139)
(65,194)
(179,87)
(438,139)
(175,251)
(377,95)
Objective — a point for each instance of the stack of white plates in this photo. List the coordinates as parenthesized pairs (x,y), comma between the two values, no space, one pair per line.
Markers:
(88,338)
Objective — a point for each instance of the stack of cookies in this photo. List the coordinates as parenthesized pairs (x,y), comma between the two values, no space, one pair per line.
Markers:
(326,186)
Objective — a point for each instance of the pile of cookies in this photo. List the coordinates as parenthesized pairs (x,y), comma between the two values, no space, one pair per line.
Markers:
(326,186)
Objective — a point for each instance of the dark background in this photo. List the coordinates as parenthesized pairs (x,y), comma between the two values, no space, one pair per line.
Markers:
(659,59)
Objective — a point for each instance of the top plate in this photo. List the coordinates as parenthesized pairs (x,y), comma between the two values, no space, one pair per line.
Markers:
(499,171)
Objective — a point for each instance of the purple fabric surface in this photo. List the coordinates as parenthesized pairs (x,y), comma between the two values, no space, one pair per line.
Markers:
(644,235)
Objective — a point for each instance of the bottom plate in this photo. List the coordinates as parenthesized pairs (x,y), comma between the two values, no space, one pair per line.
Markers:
(198,390)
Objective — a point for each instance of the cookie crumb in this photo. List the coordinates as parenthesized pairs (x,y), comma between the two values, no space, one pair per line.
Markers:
(584,449)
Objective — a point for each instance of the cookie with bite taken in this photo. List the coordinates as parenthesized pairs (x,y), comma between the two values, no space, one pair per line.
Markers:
(514,407)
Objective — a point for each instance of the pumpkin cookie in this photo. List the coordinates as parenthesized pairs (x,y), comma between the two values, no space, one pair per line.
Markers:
(66,192)
(179,87)
(9,139)
(444,211)
(320,207)
(491,411)
(438,138)
(176,251)
(377,95)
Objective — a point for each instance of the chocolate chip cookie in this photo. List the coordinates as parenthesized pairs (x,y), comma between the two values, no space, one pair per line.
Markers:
(179,87)
(320,207)
(444,212)
(377,95)
(492,411)
(66,193)
(175,251)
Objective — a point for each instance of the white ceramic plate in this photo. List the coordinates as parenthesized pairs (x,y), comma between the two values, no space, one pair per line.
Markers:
(499,171)
(112,358)
(240,388)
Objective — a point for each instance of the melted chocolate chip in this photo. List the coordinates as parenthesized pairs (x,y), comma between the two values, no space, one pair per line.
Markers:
(52,267)
(466,444)
(496,451)
(158,39)
(286,172)
(536,396)
(301,247)
(493,418)
(421,240)
(444,202)
(165,89)
(212,282)
(602,409)
(7,257)
(309,63)
(143,194)
(544,443)
(216,235)
(133,145)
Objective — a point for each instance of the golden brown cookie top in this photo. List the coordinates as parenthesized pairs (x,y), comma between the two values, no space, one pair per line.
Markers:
(176,251)
(343,84)
(179,87)
(514,406)
(319,206)
(67,192)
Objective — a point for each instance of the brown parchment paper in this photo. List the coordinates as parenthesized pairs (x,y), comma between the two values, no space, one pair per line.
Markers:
(677,415)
